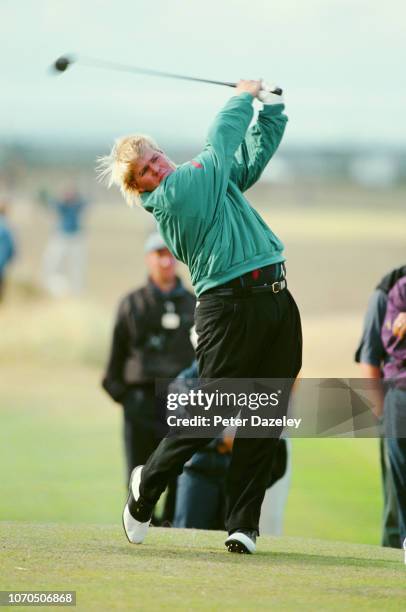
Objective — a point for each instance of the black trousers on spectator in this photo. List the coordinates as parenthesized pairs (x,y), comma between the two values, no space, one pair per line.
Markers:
(140,431)
(143,430)
(395,430)
(254,336)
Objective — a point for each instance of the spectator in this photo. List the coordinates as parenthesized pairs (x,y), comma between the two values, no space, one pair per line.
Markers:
(64,257)
(150,340)
(7,245)
(371,356)
(394,341)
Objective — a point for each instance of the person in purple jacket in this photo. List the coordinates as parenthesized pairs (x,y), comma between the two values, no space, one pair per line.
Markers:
(394,341)
(371,356)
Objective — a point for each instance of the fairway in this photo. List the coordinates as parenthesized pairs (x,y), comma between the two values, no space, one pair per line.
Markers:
(191,570)
(61,461)
(61,457)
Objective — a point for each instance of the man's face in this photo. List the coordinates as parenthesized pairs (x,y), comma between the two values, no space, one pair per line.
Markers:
(161,266)
(151,169)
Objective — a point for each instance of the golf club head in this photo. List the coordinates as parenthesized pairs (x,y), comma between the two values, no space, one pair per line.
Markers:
(62,63)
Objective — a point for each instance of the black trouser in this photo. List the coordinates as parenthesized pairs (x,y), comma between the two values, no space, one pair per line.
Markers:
(390,522)
(143,430)
(253,336)
(395,429)
(141,436)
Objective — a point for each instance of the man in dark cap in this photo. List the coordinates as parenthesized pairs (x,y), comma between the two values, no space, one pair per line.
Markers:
(151,339)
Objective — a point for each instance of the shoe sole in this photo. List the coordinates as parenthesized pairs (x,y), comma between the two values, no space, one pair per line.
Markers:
(240,543)
(129,498)
(237,547)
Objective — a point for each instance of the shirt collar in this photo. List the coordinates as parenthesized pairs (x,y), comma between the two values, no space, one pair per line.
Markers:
(177,291)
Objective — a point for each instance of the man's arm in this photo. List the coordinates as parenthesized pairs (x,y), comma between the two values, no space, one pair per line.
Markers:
(113,381)
(370,353)
(229,128)
(259,145)
(377,393)
(207,175)
(371,350)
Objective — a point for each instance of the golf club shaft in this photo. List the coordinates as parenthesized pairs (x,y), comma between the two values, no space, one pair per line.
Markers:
(107,65)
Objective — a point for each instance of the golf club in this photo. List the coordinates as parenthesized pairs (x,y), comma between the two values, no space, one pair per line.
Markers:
(63,63)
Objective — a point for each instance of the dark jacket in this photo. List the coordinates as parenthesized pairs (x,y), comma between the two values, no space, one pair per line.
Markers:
(147,343)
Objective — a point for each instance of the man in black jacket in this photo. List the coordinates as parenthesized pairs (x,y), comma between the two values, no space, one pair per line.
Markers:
(151,339)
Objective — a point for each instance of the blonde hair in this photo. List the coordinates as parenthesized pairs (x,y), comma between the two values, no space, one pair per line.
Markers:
(117,168)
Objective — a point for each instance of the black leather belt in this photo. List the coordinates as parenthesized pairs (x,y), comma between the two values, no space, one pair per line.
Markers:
(263,280)
(276,287)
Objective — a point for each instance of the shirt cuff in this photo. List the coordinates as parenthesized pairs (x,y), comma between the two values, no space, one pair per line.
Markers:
(245,95)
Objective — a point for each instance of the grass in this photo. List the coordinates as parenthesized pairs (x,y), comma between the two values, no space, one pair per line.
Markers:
(61,460)
(335,491)
(190,570)
(68,332)
(61,443)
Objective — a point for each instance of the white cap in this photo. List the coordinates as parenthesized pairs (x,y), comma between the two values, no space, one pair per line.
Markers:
(154,242)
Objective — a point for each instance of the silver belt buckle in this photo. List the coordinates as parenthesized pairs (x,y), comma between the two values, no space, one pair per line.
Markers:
(277,286)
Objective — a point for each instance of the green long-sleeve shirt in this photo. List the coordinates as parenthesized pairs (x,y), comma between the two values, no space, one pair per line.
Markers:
(200,208)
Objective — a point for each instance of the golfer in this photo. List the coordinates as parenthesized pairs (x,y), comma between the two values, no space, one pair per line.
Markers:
(247,322)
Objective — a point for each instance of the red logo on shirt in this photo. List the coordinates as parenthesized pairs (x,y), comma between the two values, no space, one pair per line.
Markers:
(196,164)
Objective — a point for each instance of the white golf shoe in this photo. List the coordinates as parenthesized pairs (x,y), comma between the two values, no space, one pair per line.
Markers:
(242,541)
(137,512)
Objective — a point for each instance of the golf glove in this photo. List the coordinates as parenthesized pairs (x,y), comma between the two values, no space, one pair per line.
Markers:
(267,97)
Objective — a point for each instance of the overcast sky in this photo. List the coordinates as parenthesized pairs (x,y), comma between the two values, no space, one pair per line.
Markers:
(341,62)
